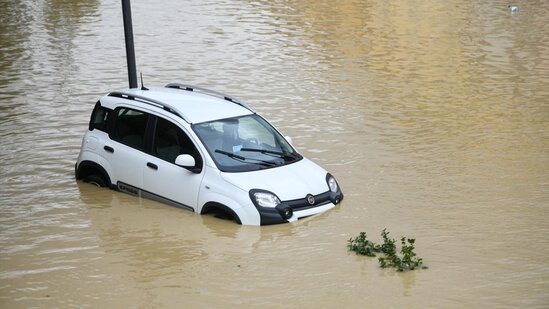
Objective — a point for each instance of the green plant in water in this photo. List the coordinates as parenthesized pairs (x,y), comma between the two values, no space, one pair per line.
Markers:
(388,246)
(407,261)
(361,245)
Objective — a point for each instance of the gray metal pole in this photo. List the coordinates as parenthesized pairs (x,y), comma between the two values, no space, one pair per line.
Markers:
(130,51)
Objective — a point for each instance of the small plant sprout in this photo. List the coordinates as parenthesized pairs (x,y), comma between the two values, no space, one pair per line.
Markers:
(407,260)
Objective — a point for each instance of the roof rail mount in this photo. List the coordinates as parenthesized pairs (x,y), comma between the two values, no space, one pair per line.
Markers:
(208,92)
(146,100)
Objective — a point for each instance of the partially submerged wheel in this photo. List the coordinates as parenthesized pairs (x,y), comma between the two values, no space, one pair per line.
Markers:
(96,180)
(220,211)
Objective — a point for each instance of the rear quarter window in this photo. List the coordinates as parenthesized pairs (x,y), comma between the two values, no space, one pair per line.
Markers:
(99,118)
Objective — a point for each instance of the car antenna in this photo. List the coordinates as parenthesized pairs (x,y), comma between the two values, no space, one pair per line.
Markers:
(142,86)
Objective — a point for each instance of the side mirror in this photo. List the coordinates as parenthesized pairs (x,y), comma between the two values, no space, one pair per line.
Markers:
(186,161)
(289,140)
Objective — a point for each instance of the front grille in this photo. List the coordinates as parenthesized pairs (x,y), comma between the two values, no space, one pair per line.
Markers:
(302,203)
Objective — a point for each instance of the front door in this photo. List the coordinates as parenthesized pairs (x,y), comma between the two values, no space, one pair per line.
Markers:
(163,179)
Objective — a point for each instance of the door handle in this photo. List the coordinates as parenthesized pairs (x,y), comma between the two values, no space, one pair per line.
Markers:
(108,149)
(152,165)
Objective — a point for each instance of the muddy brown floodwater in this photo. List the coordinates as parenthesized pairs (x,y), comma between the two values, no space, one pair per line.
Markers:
(433,115)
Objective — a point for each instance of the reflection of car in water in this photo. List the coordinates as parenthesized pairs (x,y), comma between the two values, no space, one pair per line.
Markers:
(203,151)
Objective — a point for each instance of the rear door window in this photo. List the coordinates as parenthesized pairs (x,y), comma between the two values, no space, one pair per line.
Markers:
(130,127)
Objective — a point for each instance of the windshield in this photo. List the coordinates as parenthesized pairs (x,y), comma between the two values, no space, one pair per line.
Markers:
(246,143)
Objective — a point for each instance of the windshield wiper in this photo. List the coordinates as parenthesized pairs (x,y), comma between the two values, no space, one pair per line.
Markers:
(271,152)
(244,159)
(230,154)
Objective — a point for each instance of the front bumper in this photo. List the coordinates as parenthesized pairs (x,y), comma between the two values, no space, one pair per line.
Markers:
(300,208)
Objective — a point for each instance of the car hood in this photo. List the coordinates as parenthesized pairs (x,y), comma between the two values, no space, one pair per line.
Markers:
(288,182)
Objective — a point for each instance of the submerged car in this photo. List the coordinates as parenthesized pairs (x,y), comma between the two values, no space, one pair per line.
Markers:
(204,151)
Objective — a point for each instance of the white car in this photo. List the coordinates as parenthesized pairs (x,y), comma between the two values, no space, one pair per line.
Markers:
(203,151)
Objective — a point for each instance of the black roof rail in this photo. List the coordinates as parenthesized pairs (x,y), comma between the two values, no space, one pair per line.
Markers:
(208,92)
(144,99)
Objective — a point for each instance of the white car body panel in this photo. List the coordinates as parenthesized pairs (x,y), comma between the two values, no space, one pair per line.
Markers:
(288,182)
(127,164)
(215,189)
(172,182)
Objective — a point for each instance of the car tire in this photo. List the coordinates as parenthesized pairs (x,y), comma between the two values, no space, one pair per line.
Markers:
(95,180)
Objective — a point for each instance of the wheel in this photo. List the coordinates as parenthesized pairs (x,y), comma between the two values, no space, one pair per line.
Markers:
(96,180)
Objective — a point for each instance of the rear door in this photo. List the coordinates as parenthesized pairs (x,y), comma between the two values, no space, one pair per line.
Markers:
(126,149)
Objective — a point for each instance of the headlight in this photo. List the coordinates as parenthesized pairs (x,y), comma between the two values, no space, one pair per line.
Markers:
(265,199)
(332,183)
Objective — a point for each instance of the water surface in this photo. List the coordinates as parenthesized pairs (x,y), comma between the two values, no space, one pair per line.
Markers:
(433,116)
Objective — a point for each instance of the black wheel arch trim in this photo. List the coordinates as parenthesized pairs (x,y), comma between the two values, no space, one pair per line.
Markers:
(93,167)
(211,205)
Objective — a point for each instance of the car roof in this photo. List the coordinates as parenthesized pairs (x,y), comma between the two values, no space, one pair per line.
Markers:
(193,104)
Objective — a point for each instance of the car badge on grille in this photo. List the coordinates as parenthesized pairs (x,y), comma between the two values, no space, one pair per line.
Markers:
(310,199)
